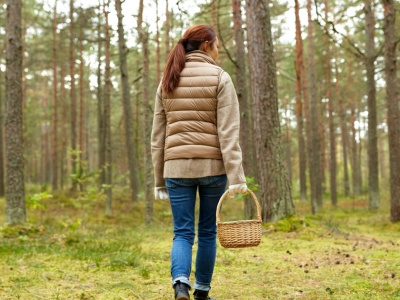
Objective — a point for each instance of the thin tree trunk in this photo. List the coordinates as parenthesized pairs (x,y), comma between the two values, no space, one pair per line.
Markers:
(64,136)
(353,142)
(72,93)
(167,30)
(45,138)
(244,104)
(2,173)
(370,56)
(213,15)
(322,142)
(332,127)
(276,199)
(144,39)
(127,108)
(343,133)
(2,108)
(158,57)
(313,142)
(54,129)
(100,109)
(383,167)
(15,189)
(107,113)
(392,100)
(299,66)
(81,106)
(288,147)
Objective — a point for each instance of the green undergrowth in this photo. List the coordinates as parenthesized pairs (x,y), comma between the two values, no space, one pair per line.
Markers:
(69,249)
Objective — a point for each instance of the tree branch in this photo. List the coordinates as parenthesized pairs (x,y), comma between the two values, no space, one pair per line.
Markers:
(354,49)
(221,38)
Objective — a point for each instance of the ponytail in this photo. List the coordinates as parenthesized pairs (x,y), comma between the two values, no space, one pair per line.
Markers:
(173,68)
(192,39)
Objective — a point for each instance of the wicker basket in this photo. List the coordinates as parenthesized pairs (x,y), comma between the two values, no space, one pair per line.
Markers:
(242,233)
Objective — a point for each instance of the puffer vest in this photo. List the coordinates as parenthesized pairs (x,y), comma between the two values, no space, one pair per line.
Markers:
(191,111)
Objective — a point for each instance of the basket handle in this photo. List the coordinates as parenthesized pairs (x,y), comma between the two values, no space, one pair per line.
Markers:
(252,196)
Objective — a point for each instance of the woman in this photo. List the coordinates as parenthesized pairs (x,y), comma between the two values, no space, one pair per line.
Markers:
(195,146)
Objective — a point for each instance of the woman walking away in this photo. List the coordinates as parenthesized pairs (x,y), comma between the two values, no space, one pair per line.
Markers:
(195,147)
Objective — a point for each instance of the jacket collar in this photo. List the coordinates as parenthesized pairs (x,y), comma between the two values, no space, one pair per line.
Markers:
(199,56)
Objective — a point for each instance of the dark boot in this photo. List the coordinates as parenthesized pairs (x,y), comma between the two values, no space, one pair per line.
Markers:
(181,291)
(201,295)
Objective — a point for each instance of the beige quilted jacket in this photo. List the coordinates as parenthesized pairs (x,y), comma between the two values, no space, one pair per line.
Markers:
(196,128)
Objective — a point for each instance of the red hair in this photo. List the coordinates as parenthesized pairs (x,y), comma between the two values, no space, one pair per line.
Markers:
(191,40)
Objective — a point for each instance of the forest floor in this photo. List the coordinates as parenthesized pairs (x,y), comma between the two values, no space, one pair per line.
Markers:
(71,250)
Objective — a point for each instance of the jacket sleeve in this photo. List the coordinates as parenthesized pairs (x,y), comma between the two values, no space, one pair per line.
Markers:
(228,124)
(158,140)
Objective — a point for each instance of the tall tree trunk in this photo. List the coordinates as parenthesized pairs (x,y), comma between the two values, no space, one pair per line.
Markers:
(299,66)
(392,100)
(332,127)
(353,142)
(158,57)
(314,142)
(72,93)
(144,39)
(2,173)
(100,108)
(126,97)
(288,147)
(276,199)
(343,132)
(81,106)
(2,101)
(107,112)
(64,135)
(244,104)
(45,139)
(54,146)
(167,30)
(383,159)
(213,14)
(370,56)
(15,188)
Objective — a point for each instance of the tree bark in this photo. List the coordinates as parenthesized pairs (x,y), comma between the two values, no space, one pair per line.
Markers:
(126,97)
(354,157)
(392,100)
(332,127)
(72,93)
(158,56)
(313,142)
(167,29)
(370,56)
(276,199)
(2,173)
(100,107)
(144,39)
(299,66)
(242,92)
(107,112)
(54,146)
(343,132)
(15,188)
(81,106)
(64,135)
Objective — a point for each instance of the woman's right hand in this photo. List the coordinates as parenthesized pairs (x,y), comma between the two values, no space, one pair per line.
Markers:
(237,188)
(161,193)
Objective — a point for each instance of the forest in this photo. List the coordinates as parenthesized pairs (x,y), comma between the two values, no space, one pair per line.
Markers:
(318,90)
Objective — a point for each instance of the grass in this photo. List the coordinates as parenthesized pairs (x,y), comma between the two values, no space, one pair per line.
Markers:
(72,251)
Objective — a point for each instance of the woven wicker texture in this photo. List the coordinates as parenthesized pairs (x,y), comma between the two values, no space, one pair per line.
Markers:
(242,233)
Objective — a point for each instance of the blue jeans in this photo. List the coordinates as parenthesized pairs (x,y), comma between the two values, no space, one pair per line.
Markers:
(182,195)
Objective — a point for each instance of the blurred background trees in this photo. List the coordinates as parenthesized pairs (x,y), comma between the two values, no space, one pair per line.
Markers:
(89,73)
